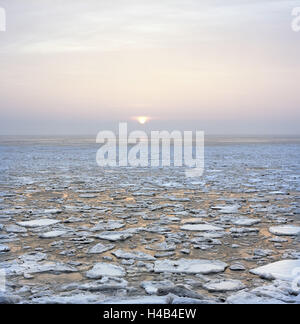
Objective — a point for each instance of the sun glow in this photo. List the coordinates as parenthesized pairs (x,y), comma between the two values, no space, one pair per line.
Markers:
(142,119)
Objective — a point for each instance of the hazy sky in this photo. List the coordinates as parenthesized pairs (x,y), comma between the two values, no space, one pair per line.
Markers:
(78,66)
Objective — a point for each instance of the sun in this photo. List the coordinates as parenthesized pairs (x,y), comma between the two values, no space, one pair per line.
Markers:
(142,119)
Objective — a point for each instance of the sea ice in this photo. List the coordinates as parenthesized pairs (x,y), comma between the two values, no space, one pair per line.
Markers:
(191,266)
(101,248)
(151,287)
(39,222)
(223,285)
(114,236)
(121,254)
(105,270)
(244,221)
(201,228)
(244,297)
(284,270)
(227,209)
(4,248)
(108,226)
(287,230)
(52,234)
(15,229)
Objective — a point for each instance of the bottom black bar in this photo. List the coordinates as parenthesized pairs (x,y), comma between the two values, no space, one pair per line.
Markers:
(118,313)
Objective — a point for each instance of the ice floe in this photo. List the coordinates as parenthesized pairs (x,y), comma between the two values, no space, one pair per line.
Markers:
(52,234)
(287,230)
(39,222)
(223,285)
(201,228)
(101,248)
(192,266)
(103,269)
(114,236)
(121,254)
(284,270)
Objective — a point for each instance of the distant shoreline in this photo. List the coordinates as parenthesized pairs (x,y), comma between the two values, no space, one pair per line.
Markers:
(210,140)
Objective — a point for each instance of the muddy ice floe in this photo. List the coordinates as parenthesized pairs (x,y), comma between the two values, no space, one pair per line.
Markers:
(19,267)
(162,247)
(34,256)
(101,248)
(157,229)
(87,196)
(278,240)
(15,229)
(227,209)
(39,223)
(263,253)
(192,266)
(180,291)
(150,300)
(223,285)
(205,241)
(82,298)
(244,221)
(189,301)
(160,207)
(244,297)
(52,211)
(121,254)
(105,270)
(108,226)
(164,254)
(193,221)
(105,284)
(237,267)
(6,298)
(49,267)
(4,248)
(52,234)
(284,270)
(185,251)
(211,235)
(287,230)
(243,230)
(73,219)
(201,228)
(142,300)
(278,292)
(177,199)
(115,236)
(152,287)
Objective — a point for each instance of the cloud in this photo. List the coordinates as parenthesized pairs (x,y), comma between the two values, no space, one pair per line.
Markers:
(93,25)
(99,59)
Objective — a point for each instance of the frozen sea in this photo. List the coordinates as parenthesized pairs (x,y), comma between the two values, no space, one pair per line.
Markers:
(120,233)
(268,162)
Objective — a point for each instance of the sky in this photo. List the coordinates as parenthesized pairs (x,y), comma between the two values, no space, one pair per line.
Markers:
(81,66)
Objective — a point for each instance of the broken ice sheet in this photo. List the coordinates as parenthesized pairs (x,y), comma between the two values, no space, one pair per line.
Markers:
(60,216)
